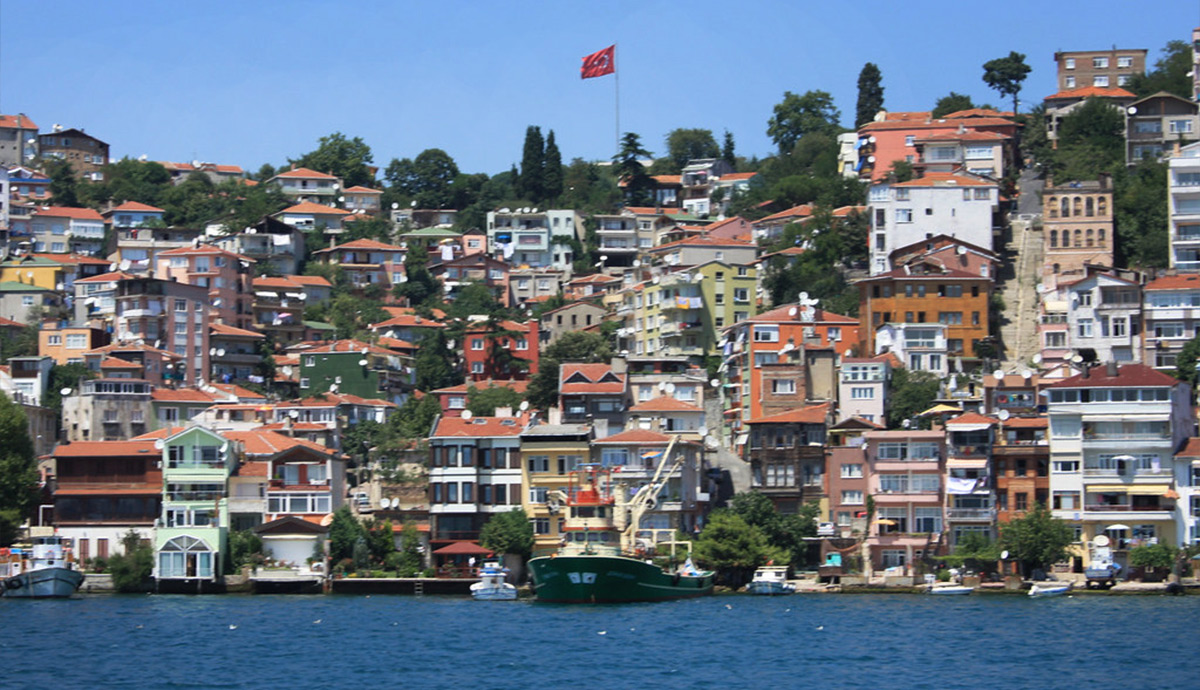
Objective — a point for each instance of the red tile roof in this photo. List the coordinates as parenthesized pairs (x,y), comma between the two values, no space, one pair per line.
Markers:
(362,244)
(310,280)
(159,433)
(703,241)
(1175,282)
(106,278)
(665,404)
(16,122)
(359,189)
(970,418)
(67,212)
(132,347)
(9,323)
(266,442)
(314,209)
(978,112)
(479,426)
(738,176)
(84,449)
(1026,423)
(783,315)
(181,395)
(222,329)
(1090,92)
(667,179)
(116,363)
(926,123)
(518,386)
(73,259)
(801,211)
(236,390)
(339,346)
(1128,376)
(968,135)
(137,206)
(641,436)
(410,320)
(205,250)
(592,373)
(1191,449)
(254,468)
(942,179)
(814,414)
(306,174)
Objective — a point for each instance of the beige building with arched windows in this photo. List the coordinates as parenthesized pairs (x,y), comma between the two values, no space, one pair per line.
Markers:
(1077,220)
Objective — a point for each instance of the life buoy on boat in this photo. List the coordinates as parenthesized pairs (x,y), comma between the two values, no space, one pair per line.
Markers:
(13,583)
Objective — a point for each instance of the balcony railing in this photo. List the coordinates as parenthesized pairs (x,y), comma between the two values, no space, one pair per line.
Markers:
(1125,508)
(970,513)
(180,496)
(1114,472)
(965,451)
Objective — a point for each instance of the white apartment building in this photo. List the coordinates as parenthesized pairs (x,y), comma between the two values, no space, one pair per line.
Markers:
(526,237)
(1105,315)
(1183,205)
(921,346)
(1171,313)
(862,388)
(1113,435)
(958,205)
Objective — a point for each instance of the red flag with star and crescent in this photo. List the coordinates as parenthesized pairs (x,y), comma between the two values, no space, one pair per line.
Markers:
(598,63)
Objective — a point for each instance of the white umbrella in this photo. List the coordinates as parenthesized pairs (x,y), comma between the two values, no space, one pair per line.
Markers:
(1116,527)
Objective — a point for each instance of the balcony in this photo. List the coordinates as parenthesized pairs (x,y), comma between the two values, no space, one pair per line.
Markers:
(1114,473)
(1188,265)
(1126,508)
(987,514)
(183,496)
(966,451)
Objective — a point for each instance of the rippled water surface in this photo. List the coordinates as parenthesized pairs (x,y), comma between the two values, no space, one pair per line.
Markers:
(819,641)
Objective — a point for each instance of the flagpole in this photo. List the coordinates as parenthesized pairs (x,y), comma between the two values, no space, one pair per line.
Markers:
(617,97)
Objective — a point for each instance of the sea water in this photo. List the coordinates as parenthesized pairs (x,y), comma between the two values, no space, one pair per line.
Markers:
(819,641)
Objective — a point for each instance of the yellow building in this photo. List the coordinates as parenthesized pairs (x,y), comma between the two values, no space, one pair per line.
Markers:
(36,271)
(548,453)
(682,313)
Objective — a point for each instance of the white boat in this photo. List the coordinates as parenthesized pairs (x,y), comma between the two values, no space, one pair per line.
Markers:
(491,586)
(770,580)
(40,572)
(1051,589)
(949,589)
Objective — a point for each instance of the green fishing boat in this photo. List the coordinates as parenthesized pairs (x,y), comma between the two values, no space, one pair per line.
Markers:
(599,561)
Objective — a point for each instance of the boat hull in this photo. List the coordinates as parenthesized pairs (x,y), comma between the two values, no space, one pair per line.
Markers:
(45,583)
(507,593)
(770,589)
(611,580)
(1042,592)
(951,590)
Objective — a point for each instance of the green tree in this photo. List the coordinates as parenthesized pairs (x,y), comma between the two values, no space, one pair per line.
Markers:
(784,532)
(629,168)
(727,151)
(419,286)
(63,185)
(733,548)
(482,402)
(952,103)
(474,299)
(131,570)
(18,470)
(1037,539)
(1171,73)
(435,363)
(589,188)
(870,94)
(910,393)
(975,551)
(798,116)
(575,346)
(1158,556)
(902,171)
(428,180)
(1005,75)
(684,145)
(337,155)
(63,376)
(381,540)
(245,548)
(508,533)
(1142,222)
(1185,363)
(533,160)
(410,552)
(1090,141)
(344,531)
(414,419)
(133,180)
(552,170)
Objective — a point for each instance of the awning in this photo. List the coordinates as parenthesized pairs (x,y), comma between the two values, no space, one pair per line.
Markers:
(742,438)
(967,463)
(941,408)
(465,548)
(265,293)
(1054,305)
(1130,489)
(967,427)
(1131,417)
(1117,527)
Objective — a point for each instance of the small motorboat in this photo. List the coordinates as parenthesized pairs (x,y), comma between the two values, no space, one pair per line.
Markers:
(41,572)
(1049,589)
(770,580)
(492,585)
(949,589)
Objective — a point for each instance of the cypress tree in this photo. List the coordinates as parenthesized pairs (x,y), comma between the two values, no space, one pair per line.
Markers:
(533,160)
(870,94)
(552,173)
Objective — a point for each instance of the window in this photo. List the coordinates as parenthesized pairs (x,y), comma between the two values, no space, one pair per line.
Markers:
(927,520)
(541,525)
(181,305)
(904,215)
(1124,61)
(1100,63)
(852,498)
(783,386)
(1070,82)
(537,494)
(857,393)
(903,194)
(1169,329)
(539,463)
(458,402)
(953,318)
(741,295)
(1100,80)
(1056,339)
(950,291)
(1085,328)
(1117,326)
(75,341)
(1180,126)
(852,471)
(1070,63)
(476,367)
(983,194)
(766,334)
(477,343)
(909,140)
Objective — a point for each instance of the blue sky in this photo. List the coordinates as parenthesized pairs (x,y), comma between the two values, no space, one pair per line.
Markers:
(248,83)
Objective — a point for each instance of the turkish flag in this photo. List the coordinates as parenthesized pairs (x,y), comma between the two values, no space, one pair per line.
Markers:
(599,63)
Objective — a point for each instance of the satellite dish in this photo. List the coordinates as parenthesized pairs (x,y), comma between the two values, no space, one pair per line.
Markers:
(1027,374)
(287,371)
(327,520)
(212,351)
(603,258)
(160,444)
(1101,540)
(341,198)
(125,264)
(670,387)
(220,352)
(1037,358)
(363,362)
(65,391)
(1004,415)
(703,431)
(715,383)
(524,405)
(792,311)
(1132,110)
(998,374)
(395,206)
(1076,358)
(112,267)
(906,423)
(466,414)
(385,503)
(294,414)
(217,302)
(1004,555)
(333,388)
(637,263)
(848,353)
(803,297)
(662,386)
(961,250)
(225,447)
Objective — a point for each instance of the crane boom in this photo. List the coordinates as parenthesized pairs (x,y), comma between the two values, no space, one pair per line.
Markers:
(648,494)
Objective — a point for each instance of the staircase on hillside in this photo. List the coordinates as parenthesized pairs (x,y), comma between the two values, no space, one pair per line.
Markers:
(1018,288)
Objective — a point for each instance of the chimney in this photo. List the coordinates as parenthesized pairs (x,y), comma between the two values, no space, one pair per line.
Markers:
(1110,369)
(503,412)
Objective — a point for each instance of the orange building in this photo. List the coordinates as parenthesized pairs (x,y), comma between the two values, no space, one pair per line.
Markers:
(66,345)
(894,138)
(927,291)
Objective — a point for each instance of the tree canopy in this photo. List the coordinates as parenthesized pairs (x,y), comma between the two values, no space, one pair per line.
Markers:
(797,116)
(1006,74)
(911,392)
(684,145)
(1037,539)
(428,180)
(18,470)
(508,533)
(1171,73)
(575,346)
(482,402)
(337,155)
(951,103)
(870,94)
(532,176)
(628,164)
(734,548)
